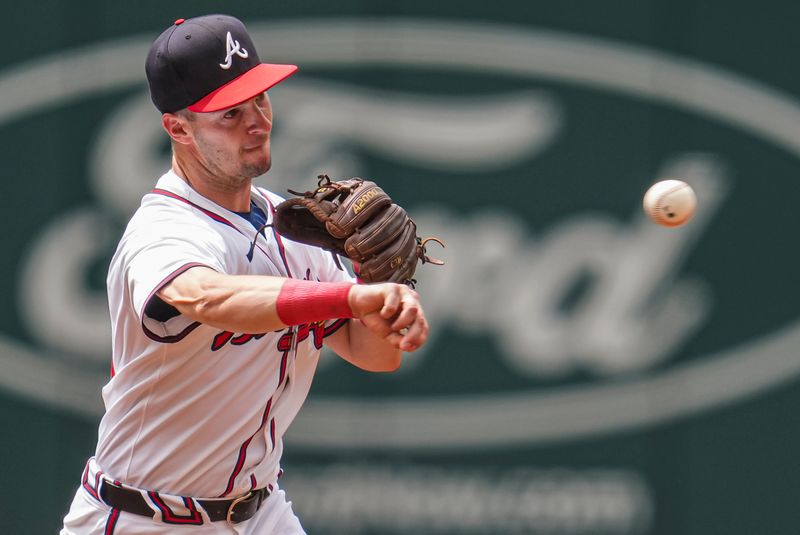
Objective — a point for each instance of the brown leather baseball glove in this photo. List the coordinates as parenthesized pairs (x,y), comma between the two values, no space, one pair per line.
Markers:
(355,218)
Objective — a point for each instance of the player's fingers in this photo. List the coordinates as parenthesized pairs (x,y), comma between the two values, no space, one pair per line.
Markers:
(378,325)
(410,307)
(391,301)
(382,328)
(396,339)
(416,334)
(406,317)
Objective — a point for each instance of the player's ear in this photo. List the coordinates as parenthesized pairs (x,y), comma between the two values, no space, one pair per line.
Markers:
(176,127)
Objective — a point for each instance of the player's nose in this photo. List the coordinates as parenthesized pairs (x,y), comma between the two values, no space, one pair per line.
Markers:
(258,121)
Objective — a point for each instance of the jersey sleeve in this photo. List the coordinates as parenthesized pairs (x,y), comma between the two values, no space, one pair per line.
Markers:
(156,258)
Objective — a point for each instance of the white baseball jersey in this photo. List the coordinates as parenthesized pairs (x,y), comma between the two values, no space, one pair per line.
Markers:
(190,409)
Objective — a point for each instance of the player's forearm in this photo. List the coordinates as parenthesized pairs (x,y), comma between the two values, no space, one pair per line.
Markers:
(255,304)
(241,303)
(365,349)
(390,316)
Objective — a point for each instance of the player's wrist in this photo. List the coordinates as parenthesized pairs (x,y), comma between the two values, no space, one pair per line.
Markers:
(302,301)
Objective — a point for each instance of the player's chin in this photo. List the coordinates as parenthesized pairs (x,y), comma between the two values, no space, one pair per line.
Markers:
(254,167)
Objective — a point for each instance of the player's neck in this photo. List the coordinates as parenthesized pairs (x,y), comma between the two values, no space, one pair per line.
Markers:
(231,194)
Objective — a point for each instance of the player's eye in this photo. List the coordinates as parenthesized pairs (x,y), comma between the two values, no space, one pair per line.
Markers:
(230,114)
(262,101)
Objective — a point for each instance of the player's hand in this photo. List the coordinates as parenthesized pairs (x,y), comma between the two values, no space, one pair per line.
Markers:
(391,311)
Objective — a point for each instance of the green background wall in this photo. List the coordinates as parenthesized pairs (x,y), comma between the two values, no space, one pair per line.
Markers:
(588,372)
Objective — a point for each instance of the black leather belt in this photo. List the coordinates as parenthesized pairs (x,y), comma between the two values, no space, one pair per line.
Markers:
(234,510)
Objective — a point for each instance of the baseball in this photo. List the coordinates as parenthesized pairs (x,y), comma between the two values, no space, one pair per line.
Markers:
(670,203)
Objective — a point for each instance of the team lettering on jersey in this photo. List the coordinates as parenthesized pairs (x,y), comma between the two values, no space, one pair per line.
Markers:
(227,336)
(316,330)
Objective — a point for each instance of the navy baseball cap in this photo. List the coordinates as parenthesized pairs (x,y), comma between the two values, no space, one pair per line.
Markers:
(207,63)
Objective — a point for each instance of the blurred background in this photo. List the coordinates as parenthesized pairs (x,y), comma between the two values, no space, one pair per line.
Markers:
(587,373)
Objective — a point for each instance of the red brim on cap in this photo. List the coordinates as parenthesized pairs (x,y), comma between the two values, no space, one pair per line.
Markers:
(255,81)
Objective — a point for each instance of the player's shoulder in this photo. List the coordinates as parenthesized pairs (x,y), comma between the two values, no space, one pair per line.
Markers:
(174,200)
(163,203)
(164,209)
(169,210)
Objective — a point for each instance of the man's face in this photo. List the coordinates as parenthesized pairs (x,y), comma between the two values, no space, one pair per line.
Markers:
(233,144)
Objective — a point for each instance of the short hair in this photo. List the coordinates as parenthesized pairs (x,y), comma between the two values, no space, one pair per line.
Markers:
(187,114)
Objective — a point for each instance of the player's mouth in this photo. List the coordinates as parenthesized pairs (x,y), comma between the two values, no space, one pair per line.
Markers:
(257,148)
(261,145)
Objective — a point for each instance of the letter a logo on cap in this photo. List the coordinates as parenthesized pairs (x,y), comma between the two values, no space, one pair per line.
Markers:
(233,47)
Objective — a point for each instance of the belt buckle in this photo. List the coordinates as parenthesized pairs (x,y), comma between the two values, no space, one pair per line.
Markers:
(234,503)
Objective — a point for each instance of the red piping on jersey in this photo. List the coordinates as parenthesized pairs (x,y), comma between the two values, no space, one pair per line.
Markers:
(282,250)
(168,516)
(278,238)
(272,432)
(209,213)
(86,485)
(181,335)
(111,523)
(284,361)
(243,452)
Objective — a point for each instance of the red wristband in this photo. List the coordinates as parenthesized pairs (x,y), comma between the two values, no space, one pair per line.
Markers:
(302,301)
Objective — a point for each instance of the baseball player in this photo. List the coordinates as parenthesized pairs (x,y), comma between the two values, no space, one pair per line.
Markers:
(217,320)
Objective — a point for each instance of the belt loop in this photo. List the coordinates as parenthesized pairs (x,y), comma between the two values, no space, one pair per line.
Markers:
(100,490)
